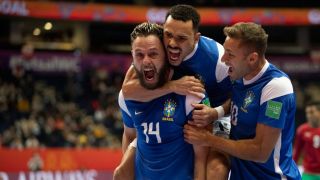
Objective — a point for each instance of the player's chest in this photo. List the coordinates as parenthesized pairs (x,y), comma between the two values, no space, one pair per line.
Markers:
(245,107)
(312,138)
(166,111)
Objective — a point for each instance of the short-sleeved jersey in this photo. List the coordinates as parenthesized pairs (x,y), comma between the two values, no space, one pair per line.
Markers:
(205,63)
(161,152)
(269,99)
(307,141)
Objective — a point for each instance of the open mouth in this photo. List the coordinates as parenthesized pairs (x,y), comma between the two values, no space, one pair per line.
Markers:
(174,54)
(149,74)
(230,70)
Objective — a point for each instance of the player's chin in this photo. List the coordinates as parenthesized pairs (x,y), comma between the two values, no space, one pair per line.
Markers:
(174,62)
(151,83)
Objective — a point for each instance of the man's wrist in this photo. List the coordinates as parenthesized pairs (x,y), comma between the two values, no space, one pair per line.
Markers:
(220,111)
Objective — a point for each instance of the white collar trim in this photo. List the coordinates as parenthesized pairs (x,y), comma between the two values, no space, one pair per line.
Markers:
(246,82)
(192,53)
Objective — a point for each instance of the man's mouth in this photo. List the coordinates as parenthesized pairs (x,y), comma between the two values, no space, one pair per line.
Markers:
(149,74)
(230,70)
(174,54)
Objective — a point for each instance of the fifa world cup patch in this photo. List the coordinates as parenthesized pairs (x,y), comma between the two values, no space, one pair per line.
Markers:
(169,110)
(206,102)
(273,109)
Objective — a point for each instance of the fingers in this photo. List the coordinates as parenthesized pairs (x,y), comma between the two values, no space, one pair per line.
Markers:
(201,123)
(188,127)
(196,91)
(197,106)
(194,82)
(192,134)
(192,123)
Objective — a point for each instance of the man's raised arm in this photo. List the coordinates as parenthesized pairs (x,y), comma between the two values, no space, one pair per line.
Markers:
(132,90)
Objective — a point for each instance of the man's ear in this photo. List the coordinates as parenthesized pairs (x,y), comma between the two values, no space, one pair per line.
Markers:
(253,57)
(197,36)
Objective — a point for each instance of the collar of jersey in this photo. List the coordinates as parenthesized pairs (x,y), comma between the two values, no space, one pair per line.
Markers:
(192,53)
(246,82)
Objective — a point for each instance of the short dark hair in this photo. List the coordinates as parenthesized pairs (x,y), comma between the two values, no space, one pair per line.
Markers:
(314,103)
(183,12)
(250,34)
(146,29)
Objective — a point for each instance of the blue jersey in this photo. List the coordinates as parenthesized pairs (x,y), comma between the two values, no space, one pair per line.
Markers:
(269,99)
(205,62)
(161,152)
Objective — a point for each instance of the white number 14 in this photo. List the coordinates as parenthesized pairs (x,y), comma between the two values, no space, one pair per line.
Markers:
(149,131)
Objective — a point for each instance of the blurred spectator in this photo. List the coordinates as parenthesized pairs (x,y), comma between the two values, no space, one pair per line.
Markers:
(35,163)
(38,112)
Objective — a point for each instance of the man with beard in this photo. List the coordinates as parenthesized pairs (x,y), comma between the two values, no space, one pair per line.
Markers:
(193,55)
(158,124)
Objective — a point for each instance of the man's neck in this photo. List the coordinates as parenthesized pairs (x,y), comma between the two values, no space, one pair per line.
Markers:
(256,70)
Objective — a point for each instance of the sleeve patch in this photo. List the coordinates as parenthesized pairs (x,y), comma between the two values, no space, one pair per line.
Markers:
(273,109)
(206,102)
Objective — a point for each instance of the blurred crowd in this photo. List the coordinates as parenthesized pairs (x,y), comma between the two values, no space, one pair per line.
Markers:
(60,110)
(77,109)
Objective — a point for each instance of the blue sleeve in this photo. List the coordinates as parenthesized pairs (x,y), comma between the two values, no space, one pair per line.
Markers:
(274,112)
(127,120)
(126,117)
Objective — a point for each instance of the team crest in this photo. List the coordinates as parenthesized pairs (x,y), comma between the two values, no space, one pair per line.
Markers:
(169,110)
(247,101)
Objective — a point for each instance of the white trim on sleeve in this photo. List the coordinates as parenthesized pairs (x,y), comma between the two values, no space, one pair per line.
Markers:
(221,68)
(275,88)
(122,103)
(276,159)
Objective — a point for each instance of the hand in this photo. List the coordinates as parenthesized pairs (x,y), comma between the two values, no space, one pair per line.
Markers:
(187,85)
(203,115)
(196,136)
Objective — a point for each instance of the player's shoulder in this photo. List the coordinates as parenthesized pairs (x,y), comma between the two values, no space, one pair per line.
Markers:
(276,87)
(302,128)
(281,83)
(209,41)
(122,103)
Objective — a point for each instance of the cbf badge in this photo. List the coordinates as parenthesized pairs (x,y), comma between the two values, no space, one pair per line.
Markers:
(247,101)
(169,110)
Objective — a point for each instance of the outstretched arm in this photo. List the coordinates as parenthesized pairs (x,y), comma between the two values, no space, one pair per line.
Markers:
(257,149)
(132,90)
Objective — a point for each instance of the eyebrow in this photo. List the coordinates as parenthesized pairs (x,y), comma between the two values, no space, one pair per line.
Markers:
(179,35)
(152,49)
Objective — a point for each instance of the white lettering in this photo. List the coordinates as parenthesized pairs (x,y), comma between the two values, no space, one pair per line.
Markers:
(314,16)
(14,7)
(4,176)
(58,175)
(54,175)
(22,176)
(52,64)
(91,174)
(32,176)
(156,15)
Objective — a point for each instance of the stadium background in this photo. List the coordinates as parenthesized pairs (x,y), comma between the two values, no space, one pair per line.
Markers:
(62,64)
